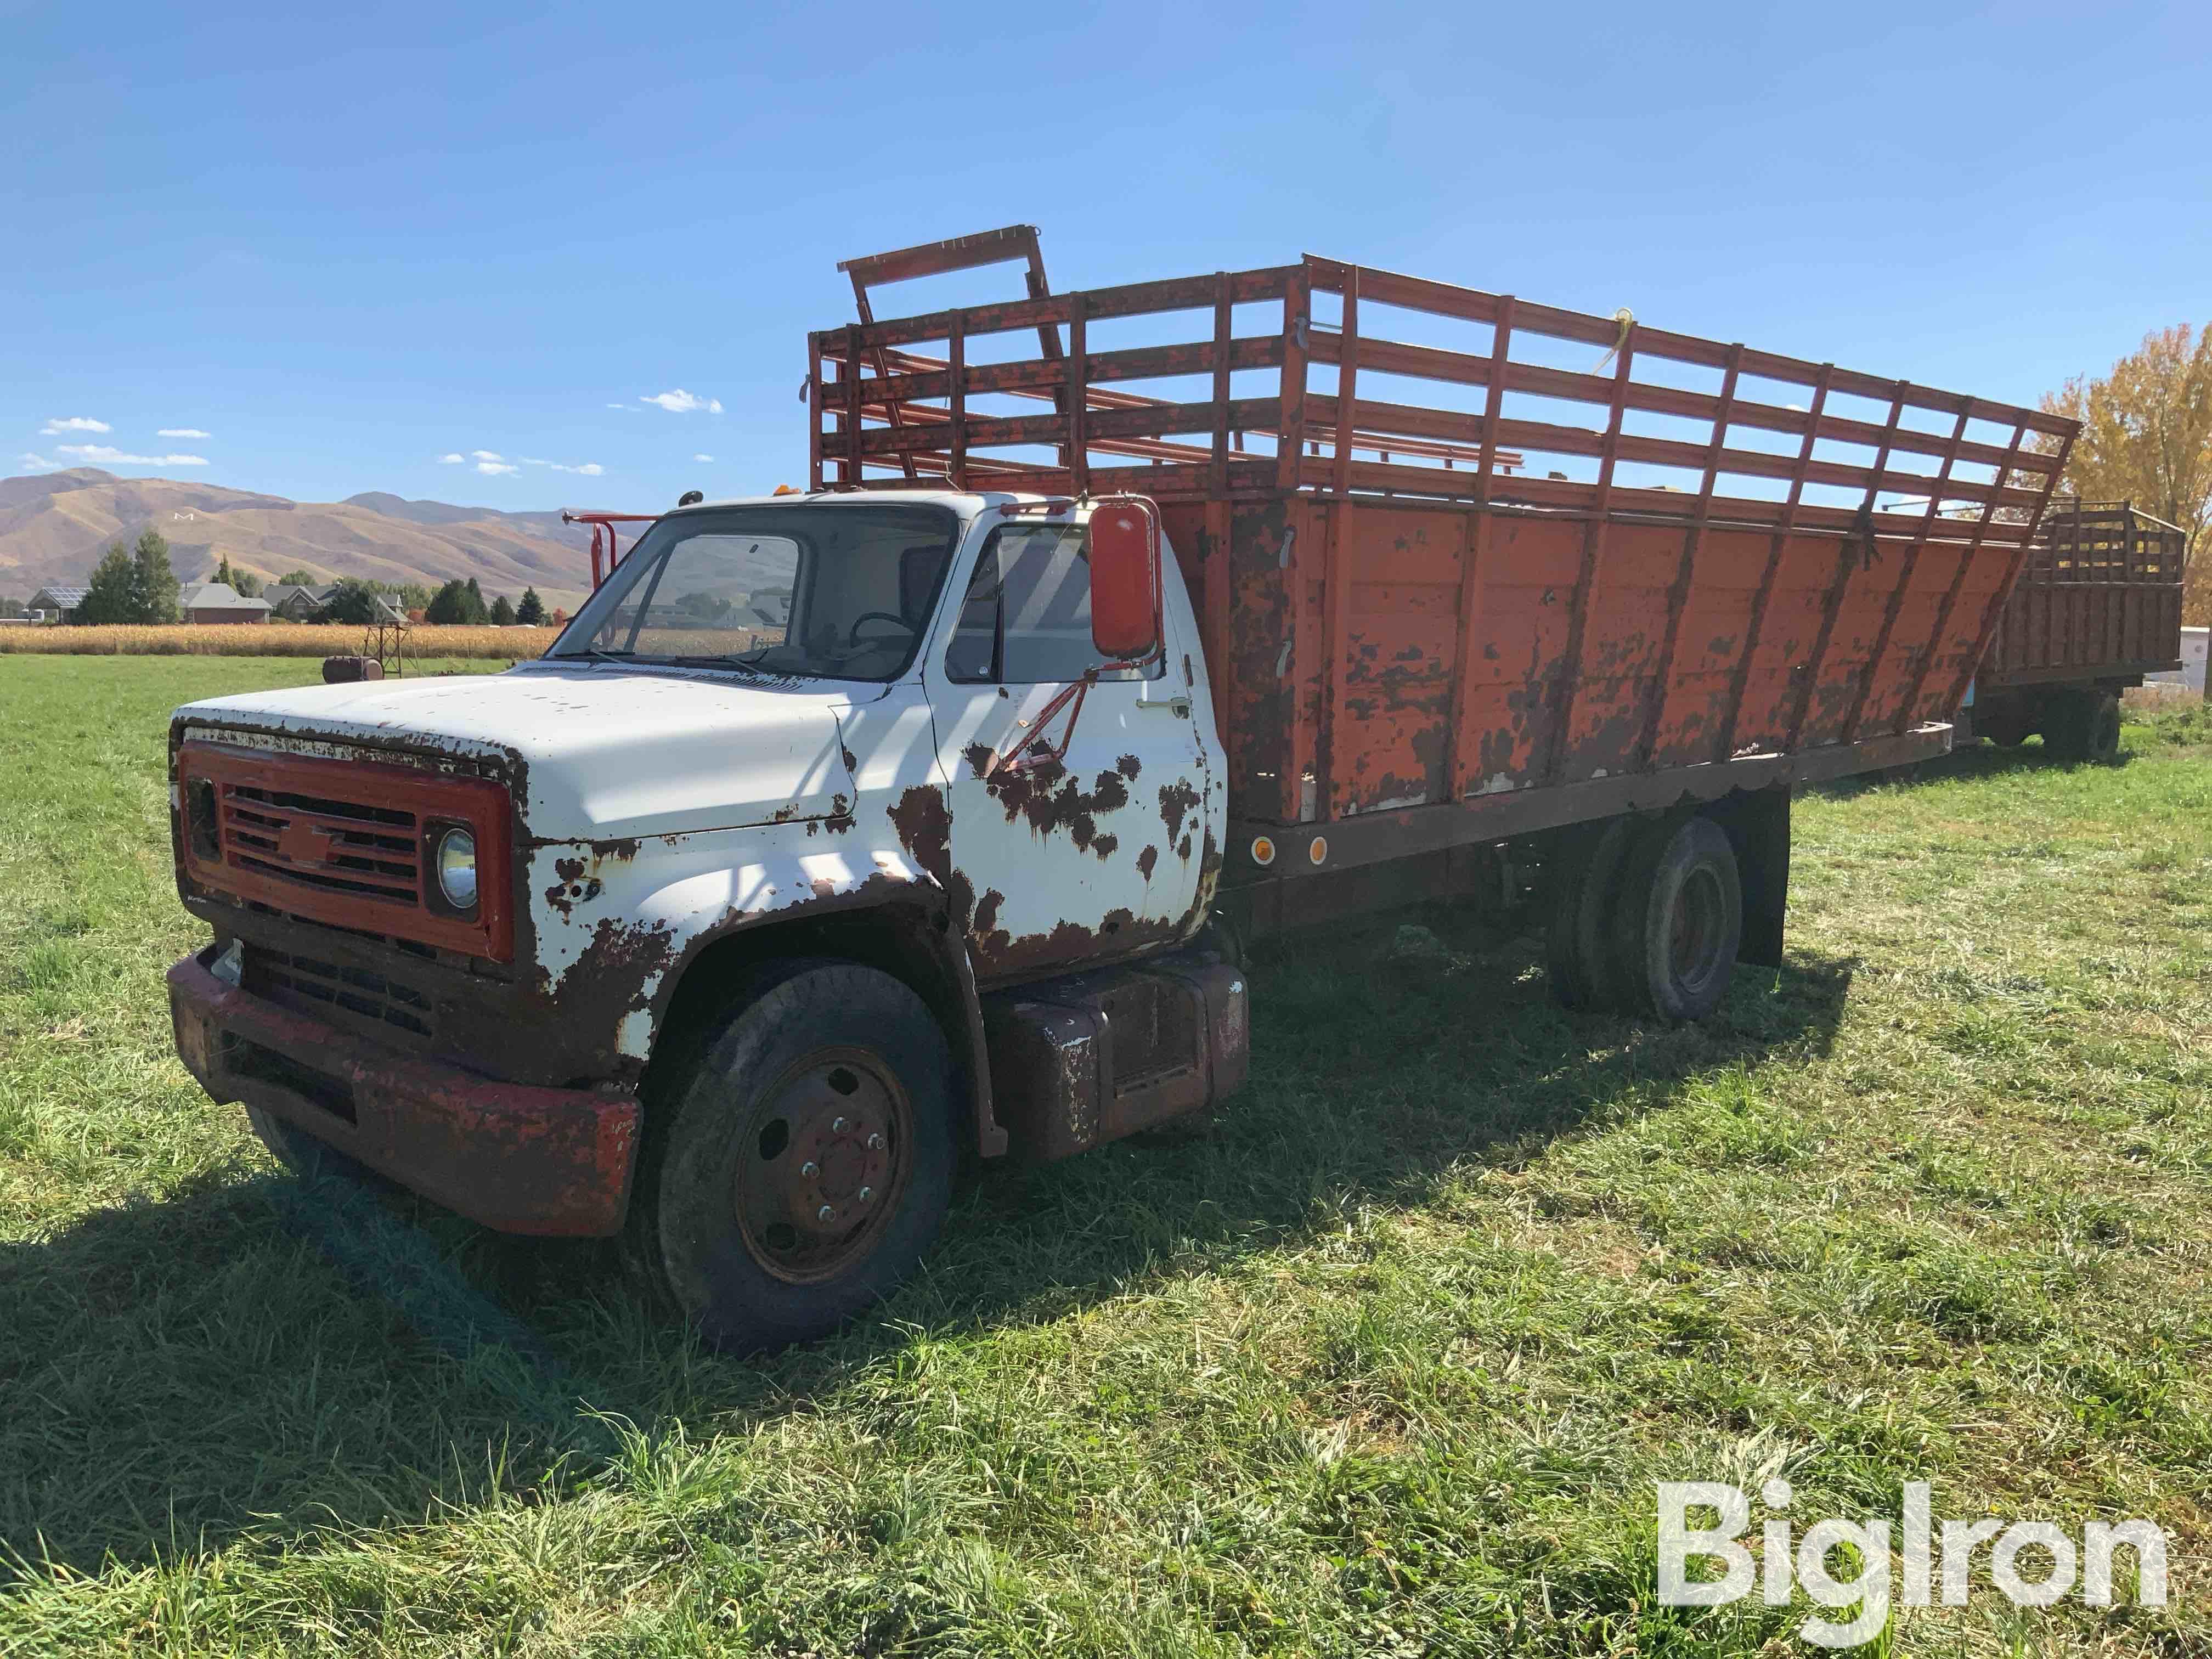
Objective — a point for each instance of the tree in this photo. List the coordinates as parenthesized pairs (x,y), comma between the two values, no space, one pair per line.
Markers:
(300,579)
(248,584)
(532,610)
(353,603)
(502,612)
(450,605)
(111,595)
(2147,438)
(154,585)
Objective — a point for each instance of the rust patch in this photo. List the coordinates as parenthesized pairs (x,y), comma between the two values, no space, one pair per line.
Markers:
(1177,801)
(1146,861)
(1043,794)
(1128,766)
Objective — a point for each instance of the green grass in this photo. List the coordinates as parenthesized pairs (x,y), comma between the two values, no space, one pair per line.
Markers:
(1384,1361)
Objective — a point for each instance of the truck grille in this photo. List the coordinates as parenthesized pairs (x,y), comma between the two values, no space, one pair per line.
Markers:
(324,990)
(344,843)
(338,846)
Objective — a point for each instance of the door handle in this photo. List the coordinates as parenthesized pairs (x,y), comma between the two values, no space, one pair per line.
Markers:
(1178,704)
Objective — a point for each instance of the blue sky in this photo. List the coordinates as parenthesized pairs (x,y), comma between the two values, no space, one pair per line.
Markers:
(342,243)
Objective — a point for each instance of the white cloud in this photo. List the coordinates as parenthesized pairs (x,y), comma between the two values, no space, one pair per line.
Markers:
(492,468)
(589,469)
(625,408)
(57,425)
(703,457)
(105,453)
(454,460)
(183,432)
(487,455)
(680,402)
(36,463)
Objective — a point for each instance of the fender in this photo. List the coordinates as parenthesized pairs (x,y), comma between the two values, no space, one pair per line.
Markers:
(619,923)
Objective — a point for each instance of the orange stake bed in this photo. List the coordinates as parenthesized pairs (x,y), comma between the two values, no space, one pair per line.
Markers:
(1466,565)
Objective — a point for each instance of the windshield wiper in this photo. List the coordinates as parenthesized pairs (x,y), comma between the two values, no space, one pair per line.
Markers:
(597,655)
(748,660)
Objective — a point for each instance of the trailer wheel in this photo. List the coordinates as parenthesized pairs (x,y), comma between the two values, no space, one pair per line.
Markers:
(1578,945)
(807,1163)
(2083,726)
(1678,919)
(2104,728)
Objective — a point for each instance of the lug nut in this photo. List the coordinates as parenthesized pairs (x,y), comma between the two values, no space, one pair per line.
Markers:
(875,1143)
(867,1193)
(810,1169)
(836,1126)
(824,1213)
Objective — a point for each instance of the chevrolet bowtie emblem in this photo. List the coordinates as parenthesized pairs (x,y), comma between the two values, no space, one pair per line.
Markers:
(301,842)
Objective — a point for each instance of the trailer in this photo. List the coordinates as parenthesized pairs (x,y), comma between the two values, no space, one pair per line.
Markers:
(2097,609)
(922,812)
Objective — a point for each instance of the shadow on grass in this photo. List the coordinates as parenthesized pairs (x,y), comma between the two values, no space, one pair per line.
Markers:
(249,1357)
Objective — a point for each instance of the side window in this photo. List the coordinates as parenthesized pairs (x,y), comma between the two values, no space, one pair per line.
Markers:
(1026,618)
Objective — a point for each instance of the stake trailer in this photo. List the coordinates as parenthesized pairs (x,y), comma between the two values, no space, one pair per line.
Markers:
(846,830)
(2097,607)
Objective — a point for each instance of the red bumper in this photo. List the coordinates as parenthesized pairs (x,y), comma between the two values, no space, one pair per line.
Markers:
(554,1162)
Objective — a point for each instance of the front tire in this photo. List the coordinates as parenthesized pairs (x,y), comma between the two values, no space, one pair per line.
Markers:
(807,1163)
(304,1154)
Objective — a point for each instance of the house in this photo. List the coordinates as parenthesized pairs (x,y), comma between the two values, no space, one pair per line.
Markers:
(294,602)
(2196,648)
(55,604)
(218,602)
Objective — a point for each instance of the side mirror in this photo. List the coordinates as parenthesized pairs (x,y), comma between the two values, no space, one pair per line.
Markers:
(1125,578)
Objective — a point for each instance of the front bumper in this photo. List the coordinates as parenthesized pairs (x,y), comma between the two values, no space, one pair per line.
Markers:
(514,1157)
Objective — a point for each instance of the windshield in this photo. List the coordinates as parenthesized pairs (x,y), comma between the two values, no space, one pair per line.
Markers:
(826,590)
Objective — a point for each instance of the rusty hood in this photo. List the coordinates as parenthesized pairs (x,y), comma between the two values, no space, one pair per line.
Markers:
(602,751)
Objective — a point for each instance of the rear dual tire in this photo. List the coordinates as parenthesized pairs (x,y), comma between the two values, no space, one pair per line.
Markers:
(1648,920)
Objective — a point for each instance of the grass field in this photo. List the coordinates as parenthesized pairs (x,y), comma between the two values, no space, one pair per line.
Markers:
(1384,1361)
(269,640)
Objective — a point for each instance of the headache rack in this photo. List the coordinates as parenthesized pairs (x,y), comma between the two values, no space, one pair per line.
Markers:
(1651,422)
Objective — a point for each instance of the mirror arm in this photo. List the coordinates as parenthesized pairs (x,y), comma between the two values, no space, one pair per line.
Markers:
(1036,750)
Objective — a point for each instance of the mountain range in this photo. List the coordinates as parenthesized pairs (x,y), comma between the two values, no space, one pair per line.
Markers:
(54,526)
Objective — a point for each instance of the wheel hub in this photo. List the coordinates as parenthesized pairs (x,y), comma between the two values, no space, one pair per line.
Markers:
(821,1164)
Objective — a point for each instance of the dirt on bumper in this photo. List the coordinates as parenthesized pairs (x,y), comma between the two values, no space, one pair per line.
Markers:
(514,1156)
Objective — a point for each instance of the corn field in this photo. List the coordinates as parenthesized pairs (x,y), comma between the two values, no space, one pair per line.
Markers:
(269,640)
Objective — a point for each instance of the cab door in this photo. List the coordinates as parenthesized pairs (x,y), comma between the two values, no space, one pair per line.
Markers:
(1079,808)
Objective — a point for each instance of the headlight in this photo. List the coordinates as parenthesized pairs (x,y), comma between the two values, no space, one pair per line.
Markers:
(457,868)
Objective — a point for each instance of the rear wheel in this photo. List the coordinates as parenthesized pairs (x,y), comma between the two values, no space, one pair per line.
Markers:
(807,1162)
(1677,918)
(1578,952)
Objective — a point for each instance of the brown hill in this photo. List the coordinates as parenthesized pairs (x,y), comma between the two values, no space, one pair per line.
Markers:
(54,525)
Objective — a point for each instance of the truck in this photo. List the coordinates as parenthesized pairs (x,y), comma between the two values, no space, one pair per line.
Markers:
(922,814)
(2097,609)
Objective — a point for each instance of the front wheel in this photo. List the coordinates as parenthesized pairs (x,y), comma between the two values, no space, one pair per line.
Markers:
(808,1159)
